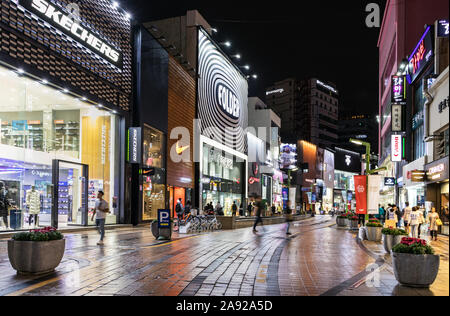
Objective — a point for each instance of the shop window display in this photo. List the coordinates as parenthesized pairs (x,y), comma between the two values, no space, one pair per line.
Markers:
(222,179)
(154,196)
(38,125)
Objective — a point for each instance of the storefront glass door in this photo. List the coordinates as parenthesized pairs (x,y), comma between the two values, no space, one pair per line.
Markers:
(72,195)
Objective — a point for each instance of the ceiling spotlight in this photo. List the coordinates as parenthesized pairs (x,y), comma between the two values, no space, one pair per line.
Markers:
(246,67)
(44,81)
(227,44)
(127,15)
(100,105)
(214,30)
(20,71)
(255,76)
(237,56)
(66,91)
(83,99)
(154,28)
(114,112)
(115,4)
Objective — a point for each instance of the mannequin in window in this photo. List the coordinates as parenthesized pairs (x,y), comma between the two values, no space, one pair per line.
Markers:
(4,204)
(34,205)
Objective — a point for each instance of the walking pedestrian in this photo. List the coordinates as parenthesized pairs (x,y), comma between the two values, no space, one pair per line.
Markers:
(407,217)
(399,216)
(258,211)
(101,211)
(234,209)
(415,222)
(391,217)
(382,214)
(422,219)
(433,220)
(250,209)
(288,216)
(179,209)
(241,210)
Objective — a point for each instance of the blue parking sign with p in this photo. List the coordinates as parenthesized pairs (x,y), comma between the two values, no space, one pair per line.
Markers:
(163,218)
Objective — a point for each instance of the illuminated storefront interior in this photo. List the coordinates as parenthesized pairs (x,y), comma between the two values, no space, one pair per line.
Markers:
(40,125)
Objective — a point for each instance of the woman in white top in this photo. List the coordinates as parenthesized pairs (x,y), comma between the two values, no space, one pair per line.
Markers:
(432,221)
(416,220)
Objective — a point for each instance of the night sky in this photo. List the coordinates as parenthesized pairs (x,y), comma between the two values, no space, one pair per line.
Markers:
(279,39)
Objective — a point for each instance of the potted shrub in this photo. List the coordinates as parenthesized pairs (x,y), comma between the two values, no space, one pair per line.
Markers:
(392,237)
(415,263)
(353,222)
(374,230)
(36,252)
(342,220)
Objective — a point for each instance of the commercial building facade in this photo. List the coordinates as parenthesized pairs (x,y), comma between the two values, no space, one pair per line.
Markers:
(308,109)
(66,86)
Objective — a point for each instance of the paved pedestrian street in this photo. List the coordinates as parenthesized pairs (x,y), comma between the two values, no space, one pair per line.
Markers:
(317,259)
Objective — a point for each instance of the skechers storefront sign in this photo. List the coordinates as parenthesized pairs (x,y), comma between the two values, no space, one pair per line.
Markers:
(134,145)
(69,26)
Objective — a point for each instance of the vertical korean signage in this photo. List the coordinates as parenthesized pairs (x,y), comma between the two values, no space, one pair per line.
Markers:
(397,118)
(361,194)
(397,148)
(399,89)
(134,155)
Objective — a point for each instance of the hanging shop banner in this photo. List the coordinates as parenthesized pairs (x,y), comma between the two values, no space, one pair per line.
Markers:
(422,56)
(397,118)
(397,148)
(399,89)
(75,29)
(134,155)
(374,187)
(361,194)
(389,182)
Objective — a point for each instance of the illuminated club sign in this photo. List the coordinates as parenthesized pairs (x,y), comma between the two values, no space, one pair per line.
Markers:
(399,89)
(68,24)
(421,57)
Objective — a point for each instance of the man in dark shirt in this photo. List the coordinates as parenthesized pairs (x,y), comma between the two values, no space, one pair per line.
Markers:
(258,211)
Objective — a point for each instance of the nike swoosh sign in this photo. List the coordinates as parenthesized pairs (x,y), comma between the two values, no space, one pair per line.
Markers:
(180,149)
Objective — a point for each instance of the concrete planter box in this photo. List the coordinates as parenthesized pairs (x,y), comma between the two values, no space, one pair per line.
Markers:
(28,257)
(418,271)
(374,233)
(389,241)
(353,225)
(342,222)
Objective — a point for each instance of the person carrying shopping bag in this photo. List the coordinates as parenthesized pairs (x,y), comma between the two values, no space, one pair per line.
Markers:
(434,221)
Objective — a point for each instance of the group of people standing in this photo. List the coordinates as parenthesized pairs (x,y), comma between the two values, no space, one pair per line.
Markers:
(413,219)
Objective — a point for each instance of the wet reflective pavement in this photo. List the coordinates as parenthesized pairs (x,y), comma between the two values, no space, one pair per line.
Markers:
(318,259)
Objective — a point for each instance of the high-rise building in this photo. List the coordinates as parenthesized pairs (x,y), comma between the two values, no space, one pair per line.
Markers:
(309,110)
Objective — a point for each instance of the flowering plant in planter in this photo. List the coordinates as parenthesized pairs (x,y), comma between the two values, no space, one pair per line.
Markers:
(374,223)
(353,217)
(413,246)
(39,235)
(391,231)
(345,215)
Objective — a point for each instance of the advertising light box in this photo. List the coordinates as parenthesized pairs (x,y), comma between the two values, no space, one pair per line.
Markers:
(222,96)
(422,55)
(397,148)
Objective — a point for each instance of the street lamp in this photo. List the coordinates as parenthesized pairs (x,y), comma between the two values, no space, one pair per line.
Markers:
(367,145)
